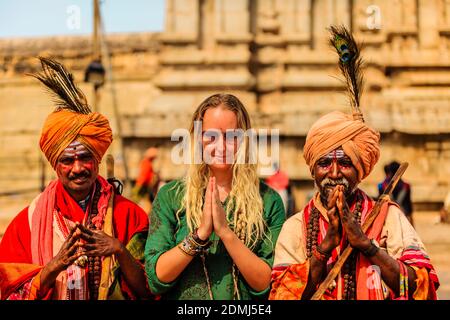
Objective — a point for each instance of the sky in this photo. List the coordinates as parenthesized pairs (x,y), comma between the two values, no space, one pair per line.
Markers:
(30,18)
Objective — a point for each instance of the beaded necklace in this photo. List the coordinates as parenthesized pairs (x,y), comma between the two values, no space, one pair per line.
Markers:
(240,232)
(94,263)
(234,275)
(349,268)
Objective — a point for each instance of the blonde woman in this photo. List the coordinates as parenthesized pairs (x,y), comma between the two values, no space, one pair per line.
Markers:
(212,234)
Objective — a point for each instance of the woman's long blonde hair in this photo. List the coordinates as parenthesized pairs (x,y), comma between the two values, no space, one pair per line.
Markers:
(244,207)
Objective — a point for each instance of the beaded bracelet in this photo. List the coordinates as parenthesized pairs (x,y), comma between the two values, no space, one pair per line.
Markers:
(186,247)
(372,250)
(320,255)
(191,247)
(197,238)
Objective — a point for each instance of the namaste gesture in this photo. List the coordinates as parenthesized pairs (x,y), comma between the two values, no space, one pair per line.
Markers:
(214,216)
(340,219)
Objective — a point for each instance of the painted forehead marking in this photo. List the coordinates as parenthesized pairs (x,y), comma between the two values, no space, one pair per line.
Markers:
(335,154)
(75,144)
(75,149)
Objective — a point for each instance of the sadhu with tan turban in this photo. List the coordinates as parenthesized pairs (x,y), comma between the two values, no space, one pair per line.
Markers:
(389,260)
(78,239)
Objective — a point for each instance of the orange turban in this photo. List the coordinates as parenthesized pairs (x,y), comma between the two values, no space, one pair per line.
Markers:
(337,129)
(63,127)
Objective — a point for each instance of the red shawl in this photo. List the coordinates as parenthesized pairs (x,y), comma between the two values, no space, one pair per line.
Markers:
(18,264)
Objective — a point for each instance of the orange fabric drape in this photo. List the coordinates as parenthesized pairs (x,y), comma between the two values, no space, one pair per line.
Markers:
(337,129)
(63,127)
(16,258)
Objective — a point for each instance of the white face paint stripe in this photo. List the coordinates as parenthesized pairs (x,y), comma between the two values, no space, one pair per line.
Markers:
(75,149)
(75,143)
(339,153)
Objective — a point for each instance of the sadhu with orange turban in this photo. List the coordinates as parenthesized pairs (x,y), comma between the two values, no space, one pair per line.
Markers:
(68,241)
(341,150)
(63,127)
(336,129)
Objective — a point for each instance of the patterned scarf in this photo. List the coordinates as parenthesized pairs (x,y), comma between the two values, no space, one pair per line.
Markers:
(51,215)
(365,272)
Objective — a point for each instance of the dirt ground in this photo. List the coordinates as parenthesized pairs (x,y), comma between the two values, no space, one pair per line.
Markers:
(435,236)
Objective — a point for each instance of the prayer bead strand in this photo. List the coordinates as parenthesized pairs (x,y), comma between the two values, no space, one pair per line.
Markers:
(349,268)
(94,263)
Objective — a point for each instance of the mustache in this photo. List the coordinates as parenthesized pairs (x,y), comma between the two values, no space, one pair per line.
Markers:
(83,174)
(327,182)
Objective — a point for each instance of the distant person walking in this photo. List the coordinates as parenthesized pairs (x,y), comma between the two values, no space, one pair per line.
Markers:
(147,181)
(402,192)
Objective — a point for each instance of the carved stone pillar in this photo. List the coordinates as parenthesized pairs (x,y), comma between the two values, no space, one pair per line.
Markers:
(325,13)
(182,18)
(428,24)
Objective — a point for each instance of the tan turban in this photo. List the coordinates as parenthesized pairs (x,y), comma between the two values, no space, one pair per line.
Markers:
(337,129)
(63,127)
(151,153)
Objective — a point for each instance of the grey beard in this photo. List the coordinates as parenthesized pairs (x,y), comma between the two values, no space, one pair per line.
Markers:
(330,182)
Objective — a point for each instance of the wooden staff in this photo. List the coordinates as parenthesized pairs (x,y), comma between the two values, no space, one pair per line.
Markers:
(367,223)
(108,262)
(109,166)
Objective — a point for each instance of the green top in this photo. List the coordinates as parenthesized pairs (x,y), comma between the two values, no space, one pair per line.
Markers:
(165,233)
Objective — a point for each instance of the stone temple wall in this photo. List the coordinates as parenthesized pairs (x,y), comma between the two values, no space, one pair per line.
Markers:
(273,54)
(25,104)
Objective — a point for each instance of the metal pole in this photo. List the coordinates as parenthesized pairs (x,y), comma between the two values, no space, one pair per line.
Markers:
(95,41)
(109,74)
(96,52)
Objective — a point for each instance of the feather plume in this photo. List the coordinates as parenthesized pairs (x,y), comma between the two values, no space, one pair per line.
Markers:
(61,84)
(350,63)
